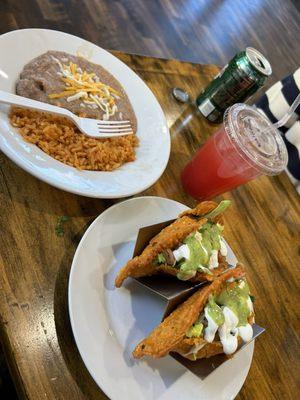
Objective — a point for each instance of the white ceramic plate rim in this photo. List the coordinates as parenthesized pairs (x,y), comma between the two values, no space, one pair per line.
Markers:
(72,292)
(136,179)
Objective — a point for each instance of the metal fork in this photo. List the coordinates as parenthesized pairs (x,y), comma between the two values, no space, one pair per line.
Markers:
(91,127)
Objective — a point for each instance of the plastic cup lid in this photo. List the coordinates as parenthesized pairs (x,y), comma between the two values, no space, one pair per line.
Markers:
(263,150)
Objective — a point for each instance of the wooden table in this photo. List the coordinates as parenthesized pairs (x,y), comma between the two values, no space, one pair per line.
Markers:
(262,228)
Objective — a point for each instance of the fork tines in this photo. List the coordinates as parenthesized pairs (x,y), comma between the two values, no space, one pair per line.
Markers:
(114,126)
(107,122)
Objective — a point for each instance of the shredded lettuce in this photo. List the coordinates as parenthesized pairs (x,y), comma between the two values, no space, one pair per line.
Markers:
(160,259)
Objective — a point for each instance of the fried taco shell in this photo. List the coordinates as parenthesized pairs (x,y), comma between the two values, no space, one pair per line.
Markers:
(170,335)
(169,238)
(206,350)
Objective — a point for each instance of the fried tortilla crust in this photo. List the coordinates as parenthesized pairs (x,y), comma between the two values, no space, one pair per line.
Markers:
(170,333)
(169,238)
(208,349)
(202,209)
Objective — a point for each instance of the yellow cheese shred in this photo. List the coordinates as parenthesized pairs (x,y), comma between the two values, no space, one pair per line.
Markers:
(76,81)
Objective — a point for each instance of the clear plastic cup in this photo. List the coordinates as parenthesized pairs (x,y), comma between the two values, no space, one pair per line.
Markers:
(237,153)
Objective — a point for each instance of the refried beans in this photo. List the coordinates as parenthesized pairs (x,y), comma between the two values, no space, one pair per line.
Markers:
(49,78)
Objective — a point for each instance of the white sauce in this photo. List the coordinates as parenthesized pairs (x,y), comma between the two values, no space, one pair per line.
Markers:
(250,305)
(223,247)
(246,332)
(228,332)
(213,260)
(211,329)
(198,236)
(182,252)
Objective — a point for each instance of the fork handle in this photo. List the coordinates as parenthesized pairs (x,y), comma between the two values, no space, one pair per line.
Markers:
(24,102)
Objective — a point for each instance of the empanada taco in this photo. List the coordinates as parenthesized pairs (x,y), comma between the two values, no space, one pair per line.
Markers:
(214,320)
(191,248)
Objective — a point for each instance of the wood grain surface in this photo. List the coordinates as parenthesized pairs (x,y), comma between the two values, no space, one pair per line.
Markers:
(201,31)
(262,228)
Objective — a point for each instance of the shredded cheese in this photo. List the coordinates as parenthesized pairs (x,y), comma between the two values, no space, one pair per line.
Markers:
(87,87)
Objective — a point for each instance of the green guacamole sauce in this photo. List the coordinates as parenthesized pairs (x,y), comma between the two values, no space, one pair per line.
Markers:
(235,297)
(195,330)
(215,311)
(201,245)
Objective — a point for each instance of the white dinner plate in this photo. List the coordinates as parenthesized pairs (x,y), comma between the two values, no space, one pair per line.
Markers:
(18,48)
(108,323)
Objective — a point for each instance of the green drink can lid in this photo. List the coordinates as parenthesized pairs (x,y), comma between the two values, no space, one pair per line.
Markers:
(258,61)
(255,139)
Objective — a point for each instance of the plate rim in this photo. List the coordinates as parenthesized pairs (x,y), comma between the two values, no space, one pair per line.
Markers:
(71,278)
(84,192)
(76,255)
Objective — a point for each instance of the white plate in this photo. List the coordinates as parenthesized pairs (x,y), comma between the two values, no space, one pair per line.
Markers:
(107,323)
(19,47)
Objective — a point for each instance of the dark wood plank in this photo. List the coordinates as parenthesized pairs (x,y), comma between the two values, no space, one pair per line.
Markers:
(262,228)
(7,389)
(199,31)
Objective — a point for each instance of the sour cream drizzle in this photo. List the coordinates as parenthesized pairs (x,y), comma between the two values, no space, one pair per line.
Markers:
(183,252)
(229,330)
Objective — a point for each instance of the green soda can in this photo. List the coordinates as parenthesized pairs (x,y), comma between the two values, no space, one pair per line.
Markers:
(236,82)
